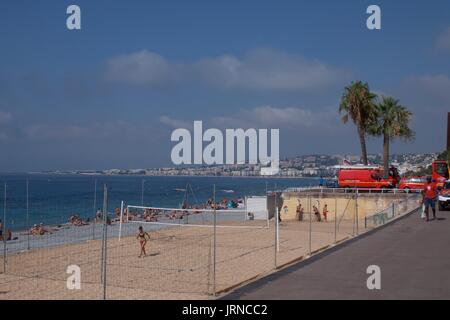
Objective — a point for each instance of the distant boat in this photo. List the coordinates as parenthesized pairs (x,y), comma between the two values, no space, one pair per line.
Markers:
(179,190)
(228,191)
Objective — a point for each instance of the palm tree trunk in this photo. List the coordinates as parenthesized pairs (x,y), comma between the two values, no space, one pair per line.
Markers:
(362,140)
(386,155)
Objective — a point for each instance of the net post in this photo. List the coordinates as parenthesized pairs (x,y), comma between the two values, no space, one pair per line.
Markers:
(120,222)
(142,192)
(246,210)
(95,209)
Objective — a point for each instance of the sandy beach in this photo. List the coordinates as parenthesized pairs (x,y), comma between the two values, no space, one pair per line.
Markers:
(179,264)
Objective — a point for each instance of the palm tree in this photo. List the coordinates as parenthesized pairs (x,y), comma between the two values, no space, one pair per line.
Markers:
(357,103)
(392,121)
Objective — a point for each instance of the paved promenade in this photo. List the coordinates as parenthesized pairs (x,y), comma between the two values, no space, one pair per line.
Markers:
(414,257)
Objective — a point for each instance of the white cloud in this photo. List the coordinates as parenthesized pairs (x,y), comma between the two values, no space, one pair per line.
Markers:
(175,123)
(141,67)
(5,117)
(443,40)
(86,132)
(261,69)
(6,129)
(431,89)
(269,117)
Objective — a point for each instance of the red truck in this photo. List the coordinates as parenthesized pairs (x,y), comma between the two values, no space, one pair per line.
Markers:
(440,173)
(367,177)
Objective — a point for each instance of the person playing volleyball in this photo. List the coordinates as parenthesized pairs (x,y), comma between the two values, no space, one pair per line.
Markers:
(142,236)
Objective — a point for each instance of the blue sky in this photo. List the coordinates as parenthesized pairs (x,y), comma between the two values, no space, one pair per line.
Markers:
(110,94)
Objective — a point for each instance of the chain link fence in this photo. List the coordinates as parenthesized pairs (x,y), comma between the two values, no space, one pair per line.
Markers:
(78,253)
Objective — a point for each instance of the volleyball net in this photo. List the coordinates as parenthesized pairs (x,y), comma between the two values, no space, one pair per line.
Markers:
(154,218)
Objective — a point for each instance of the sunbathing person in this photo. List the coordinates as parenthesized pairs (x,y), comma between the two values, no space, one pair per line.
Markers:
(38,230)
(34,231)
(10,236)
(98,215)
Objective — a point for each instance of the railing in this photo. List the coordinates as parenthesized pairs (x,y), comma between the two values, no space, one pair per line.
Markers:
(395,209)
(325,190)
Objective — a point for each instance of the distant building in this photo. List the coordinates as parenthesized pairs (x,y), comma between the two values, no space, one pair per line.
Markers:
(310,171)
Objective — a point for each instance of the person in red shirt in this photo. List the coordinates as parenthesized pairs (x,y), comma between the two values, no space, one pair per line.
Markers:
(429,197)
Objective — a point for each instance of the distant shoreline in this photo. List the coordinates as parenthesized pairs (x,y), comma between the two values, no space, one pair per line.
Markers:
(149,176)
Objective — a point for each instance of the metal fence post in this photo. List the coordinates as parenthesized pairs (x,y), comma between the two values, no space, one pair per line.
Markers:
(28,218)
(215,238)
(310,223)
(276,236)
(4,231)
(95,210)
(356,212)
(335,219)
(105,236)
(278,229)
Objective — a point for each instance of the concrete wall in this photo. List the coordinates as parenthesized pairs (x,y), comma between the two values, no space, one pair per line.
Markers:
(344,205)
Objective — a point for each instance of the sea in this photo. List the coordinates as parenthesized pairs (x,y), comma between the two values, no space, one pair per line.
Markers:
(51,199)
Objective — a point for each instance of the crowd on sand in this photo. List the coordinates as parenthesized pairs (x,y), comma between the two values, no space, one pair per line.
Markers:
(153,214)
(147,215)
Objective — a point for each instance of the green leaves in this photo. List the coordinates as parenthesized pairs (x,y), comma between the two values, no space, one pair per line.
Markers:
(386,118)
(391,120)
(357,103)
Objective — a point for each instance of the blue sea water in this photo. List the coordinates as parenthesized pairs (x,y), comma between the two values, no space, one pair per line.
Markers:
(52,199)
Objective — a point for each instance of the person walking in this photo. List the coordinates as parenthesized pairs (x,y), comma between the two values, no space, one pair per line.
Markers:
(142,236)
(429,198)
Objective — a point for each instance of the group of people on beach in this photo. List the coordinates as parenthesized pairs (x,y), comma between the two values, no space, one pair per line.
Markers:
(76,220)
(8,236)
(39,230)
(316,211)
(223,204)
